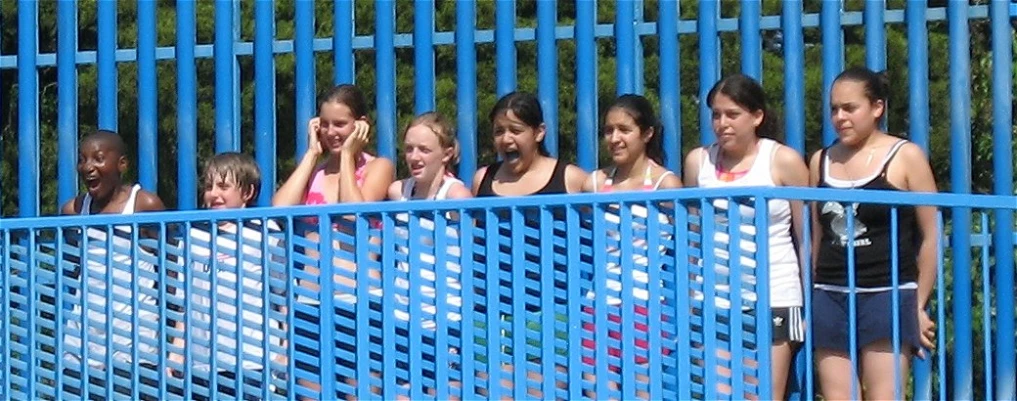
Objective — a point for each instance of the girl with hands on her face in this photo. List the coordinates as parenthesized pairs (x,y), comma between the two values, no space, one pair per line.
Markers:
(348,174)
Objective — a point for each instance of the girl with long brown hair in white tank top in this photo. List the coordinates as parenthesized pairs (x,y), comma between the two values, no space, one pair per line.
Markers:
(744,155)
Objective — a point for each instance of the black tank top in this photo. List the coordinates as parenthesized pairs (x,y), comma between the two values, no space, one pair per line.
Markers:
(872,235)
(555,185)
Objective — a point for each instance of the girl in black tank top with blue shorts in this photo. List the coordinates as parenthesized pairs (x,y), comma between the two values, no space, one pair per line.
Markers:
(864,158)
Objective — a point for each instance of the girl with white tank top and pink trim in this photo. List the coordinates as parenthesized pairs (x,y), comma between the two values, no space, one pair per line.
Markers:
(743,156)
(634,137)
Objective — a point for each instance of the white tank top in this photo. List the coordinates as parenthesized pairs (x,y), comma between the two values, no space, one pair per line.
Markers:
(785,281)
(424,264)
(95,276)
(446,184)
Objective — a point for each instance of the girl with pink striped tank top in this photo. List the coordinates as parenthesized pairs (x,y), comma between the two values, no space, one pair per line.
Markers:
(633,136)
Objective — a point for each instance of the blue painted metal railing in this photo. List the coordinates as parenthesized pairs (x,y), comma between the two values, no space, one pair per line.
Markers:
(524,297)
(626,31)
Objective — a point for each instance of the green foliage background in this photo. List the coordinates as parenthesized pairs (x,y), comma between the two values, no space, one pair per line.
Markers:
(446,81)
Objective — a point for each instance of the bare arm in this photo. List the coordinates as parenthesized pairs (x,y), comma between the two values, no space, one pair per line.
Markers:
(590,182)
(379,175)
(790,171)
(478,177)
(395,190)
(920,179)
(817,231)
(575,178)
(690,170)
(72,206)
(293,190)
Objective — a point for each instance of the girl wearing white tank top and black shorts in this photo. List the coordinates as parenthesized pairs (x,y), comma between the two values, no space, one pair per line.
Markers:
(633,135)
(743,156)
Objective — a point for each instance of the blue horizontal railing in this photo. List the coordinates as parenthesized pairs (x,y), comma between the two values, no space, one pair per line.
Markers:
(396,264)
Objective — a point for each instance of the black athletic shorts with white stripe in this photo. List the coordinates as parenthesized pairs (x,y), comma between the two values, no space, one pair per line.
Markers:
(788,324)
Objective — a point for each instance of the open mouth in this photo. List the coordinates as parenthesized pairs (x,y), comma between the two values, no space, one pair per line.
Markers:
(512,155)
(92,183)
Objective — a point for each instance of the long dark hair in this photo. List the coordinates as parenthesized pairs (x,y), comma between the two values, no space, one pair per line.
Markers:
(641,111)
(527,109)
(748,94)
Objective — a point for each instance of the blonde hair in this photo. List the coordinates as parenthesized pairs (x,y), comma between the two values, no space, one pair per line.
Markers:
(240,167)
(443,129)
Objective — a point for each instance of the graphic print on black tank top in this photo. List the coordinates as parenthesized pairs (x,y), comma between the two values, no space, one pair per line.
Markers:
(871,233)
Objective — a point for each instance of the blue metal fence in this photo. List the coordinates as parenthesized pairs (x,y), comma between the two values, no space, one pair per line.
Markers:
(525,297)
(628,30)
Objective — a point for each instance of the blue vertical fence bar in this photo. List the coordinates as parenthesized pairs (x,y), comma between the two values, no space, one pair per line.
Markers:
(423,56)
(875,34)
(637,47)
(752,40)
(385,64)
(547,71)
(187,108)
(303,40)
(960,182)
(67,100)
(833,58)
(794,80)
(670,96)
(342,41)
(28,110)
(918,118)
(466,88)
(227,130)
(709,65)
(1002,160)
(106,21)
(586,86)
(625,38)
(505,46)
(148,92)
(264,96)
(918,73)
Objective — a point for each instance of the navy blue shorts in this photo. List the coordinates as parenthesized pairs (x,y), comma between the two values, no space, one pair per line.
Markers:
(875,319)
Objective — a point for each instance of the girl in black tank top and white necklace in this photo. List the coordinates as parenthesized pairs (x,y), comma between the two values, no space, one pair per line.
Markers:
(864,157)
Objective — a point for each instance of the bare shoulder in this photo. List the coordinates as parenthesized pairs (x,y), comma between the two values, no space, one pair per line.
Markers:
(381,165)
(73,206)
(148,202)
(669,181)
(395,190)
(690,170)
(479,176)
(575,177)
(815,159)
(785,157)
(459,191)
(911,153)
